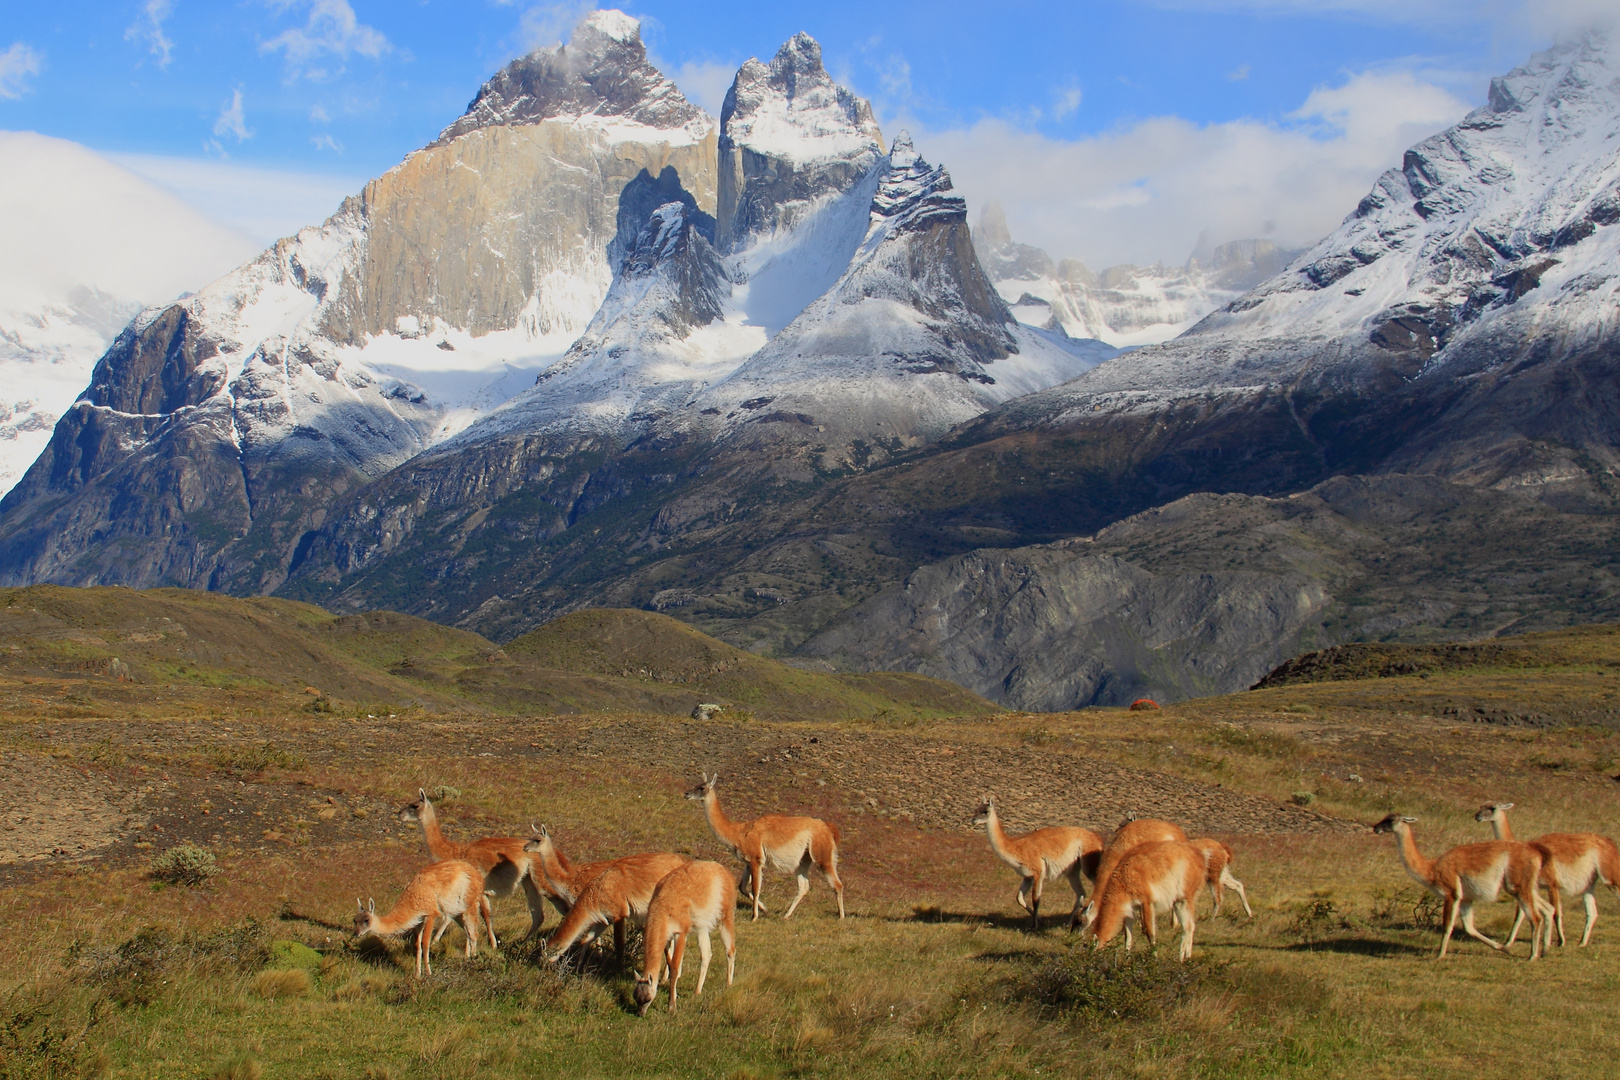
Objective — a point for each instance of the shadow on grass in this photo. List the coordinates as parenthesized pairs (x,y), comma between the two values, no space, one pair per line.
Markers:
(999,920)
(290,915)
(1357,946)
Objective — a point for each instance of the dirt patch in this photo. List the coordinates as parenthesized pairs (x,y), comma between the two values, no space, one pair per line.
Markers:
(50,809)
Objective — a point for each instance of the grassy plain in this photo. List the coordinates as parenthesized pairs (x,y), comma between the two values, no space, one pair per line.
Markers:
(110,973)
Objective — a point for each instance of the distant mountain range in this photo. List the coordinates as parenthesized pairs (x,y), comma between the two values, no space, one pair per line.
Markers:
(592,347)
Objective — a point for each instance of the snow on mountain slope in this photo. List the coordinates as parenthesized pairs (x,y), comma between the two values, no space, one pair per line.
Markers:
(910,341)
(86,244)
(1494,242)
(1124,305)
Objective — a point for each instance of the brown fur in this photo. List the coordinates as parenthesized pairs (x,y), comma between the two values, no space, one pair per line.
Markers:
(694,899)
(452,890)
(614,897)
(1152,879)
(505,864)
(789,843)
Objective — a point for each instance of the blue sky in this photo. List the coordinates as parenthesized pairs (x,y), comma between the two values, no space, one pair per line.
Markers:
(262,110)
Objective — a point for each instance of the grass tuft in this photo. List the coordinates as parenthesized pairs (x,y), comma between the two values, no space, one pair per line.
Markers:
(186,864)
(282,983)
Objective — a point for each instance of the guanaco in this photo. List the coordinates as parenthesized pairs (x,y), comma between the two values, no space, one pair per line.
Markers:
(1471,873)
(1152,879)
(452,890)
(694,899)
(1131,832)
(793,844)
(560,878)
(1218,858)
(615,897)
(1574,863)
(505,863)
(1041,856)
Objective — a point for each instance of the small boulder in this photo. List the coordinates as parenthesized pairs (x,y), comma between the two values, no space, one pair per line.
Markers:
(706,711)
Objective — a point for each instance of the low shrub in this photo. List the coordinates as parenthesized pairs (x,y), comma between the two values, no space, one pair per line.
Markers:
(186,864)
(1109,984)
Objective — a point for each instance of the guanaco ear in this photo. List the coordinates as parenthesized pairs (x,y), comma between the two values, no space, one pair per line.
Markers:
(1504,806)
(422,794)
(371,906)
(359,903)
(1408,820)
(545,831)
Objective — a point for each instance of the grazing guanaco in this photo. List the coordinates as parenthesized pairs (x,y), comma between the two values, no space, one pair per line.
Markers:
(793,844)
(1574,863)
(505,863)
(1041,856)
(615,897)
(561,879)
(1218,858)
(1152,879)
(452,890)
(1471,873)
(1131,832)
(694,899)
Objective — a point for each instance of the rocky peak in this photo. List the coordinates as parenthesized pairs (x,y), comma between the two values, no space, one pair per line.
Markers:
(1003,258)
(790,137)
(914,194)
(601,72)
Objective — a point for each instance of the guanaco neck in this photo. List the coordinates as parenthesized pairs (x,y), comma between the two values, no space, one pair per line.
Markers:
(1419,867)
(1000,843)
(438,845)
(727,830)
(555,869)
(1500,826)
(395,922)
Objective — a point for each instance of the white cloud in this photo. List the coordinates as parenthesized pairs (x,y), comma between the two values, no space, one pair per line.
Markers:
(703,81)
(1068,103)
(264,204)
(148,27)
(231,120)
(18,64)
(319,115)
(326,142)
(332,29)
(1239,74)
(1147,192)
(545,25)
(895,77)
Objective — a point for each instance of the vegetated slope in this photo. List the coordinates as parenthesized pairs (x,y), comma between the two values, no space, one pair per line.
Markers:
(1583,647)
(114,643)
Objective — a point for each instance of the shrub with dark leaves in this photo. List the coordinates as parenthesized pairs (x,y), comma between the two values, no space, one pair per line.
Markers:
(1110,984)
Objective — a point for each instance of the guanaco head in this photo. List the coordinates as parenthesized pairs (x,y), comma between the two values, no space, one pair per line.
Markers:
(539,839)
(646,990)
(411,812)
(701,792)
(981,816)
(364,917)
(1491,809)
(1394,823)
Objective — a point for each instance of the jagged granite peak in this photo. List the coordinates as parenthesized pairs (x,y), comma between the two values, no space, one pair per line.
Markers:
(910,340)
(789,137)
(602,72)
(1003,258)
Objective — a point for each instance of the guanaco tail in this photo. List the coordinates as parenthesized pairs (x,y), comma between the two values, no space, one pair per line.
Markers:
(1573,863)
(1152,879)
(617,896)
(447,891)
(505,863)
(1471,873)
(695,899)
(792,844)
(1041,856)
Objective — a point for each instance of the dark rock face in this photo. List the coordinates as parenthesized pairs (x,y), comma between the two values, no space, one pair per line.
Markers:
(602,71)
(767,180)
(157,368)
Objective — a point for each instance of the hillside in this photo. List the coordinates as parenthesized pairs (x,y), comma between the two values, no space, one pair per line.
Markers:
(139,649)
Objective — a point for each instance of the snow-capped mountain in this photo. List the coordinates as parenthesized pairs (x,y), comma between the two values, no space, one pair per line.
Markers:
(1123,305)
(350,347)
(86,245)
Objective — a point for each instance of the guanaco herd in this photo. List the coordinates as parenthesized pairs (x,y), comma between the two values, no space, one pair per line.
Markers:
(1147,870)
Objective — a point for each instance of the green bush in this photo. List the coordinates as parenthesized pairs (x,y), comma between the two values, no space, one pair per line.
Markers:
(187,864)
(1110,984)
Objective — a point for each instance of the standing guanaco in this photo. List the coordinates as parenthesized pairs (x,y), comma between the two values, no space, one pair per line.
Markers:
(1041,856)
(694,899)
(505,863)
(1471,873)
(1152,879)
(449,890)
(1574,863)
(615,897)
(1218,858)
(793,844)
(1131,832)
